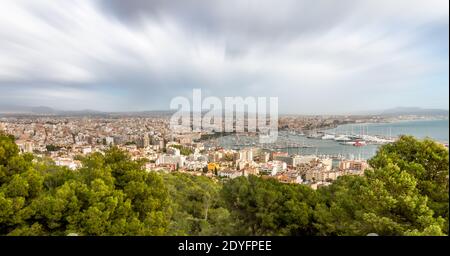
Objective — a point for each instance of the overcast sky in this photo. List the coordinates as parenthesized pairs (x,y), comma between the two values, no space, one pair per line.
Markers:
(317,56)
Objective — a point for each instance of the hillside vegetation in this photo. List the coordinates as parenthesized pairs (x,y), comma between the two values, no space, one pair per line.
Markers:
(406,193)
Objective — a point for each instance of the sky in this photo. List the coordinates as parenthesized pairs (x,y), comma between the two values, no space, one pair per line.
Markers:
(317,57)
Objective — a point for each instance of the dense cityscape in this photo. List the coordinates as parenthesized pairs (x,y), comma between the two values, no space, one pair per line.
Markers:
(132,175)
(65,139)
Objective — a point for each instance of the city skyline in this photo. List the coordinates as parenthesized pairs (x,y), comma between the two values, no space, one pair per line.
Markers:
(337,58)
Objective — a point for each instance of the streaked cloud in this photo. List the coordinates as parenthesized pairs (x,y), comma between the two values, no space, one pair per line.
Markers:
(316,56)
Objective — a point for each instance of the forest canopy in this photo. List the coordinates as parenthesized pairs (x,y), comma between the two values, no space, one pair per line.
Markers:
(404,193)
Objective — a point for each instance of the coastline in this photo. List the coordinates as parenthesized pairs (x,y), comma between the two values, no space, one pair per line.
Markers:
(441,138)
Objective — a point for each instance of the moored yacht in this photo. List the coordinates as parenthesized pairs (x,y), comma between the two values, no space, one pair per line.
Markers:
(328,137)
(342,138)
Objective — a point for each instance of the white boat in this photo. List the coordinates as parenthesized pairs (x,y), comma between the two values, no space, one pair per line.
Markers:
(342,138)
(314,136)
(328,137)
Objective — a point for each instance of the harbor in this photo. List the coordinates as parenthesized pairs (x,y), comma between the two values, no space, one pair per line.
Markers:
(353,141)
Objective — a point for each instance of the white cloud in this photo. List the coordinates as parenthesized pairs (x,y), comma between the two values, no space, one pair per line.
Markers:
(290,49)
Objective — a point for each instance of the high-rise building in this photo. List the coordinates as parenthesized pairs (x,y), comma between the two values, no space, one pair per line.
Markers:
(146,140)
(245,155)
(109,140)
(28,147)
(264,157)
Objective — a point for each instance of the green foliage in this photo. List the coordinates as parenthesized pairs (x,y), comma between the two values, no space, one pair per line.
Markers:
(110,195)
(198,208)
(267,207)
(427,162)
(405,193)
(8,148)
(228,157)
(51,148)
(385,201)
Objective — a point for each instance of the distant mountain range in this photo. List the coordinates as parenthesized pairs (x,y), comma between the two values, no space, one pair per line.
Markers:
(43,110)
(401,111)
(415,111)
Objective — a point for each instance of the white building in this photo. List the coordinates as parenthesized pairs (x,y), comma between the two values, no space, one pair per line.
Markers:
(68,163)
(231,174)
(86,150)
(173,151)
(245,155)
(25,146)
(273,167)
(171,159)
(109,140)
(195,165)
(327,163)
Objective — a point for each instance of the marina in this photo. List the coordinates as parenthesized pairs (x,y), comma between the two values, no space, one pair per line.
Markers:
(352,141)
